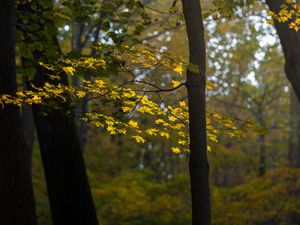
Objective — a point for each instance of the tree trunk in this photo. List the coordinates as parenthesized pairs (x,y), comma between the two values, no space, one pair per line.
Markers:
(83,125)
(67,183)
(290,41)
(16,195)
(27,121)
(69,192)
(262,155)
(294,135)
(198,161)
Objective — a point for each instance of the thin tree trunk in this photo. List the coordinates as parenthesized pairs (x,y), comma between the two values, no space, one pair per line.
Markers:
(83,125)
(290,41)
(262,155)
(147,158)
(294,135)
(198,161)
(67,183)
(81,108)
(16,194)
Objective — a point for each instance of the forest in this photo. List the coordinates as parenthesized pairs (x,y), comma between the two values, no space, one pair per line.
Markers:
(149,112)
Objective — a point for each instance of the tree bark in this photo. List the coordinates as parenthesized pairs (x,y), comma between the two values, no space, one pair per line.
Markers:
(67,183)
(16,194)
(290,41)
(68,188)
(27,121)
(198,161)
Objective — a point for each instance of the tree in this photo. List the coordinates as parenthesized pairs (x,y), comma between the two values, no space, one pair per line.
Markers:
(195,84)
(67,183)
(17,202)
(289,39)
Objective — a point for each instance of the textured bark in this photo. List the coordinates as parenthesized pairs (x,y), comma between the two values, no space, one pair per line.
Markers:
(290,41)
(294,135)
(67,183)
(16,194)
(198,162)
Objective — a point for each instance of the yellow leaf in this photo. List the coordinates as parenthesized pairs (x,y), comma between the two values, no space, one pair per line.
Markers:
(209,86)
(111,130)
(133,124)
(172,118)
(178,69)
(122,131)
(159,121)
(152,131)
(69,70)
(175,150)
(36,99)
(126,109)
(80,94)
(176,83)
(182,142)
(164,134)
(100,83)
(138,139)
(182,104)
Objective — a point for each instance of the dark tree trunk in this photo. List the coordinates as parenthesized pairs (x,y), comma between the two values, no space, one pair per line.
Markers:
(198,162)
(69,192)
(83,125)
(294,135)
(262,155)
(147,158)
(67,183)
(290,41)
(28,123)
(16,195)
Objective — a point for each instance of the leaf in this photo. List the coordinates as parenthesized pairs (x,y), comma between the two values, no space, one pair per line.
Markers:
(182,104)
(80,94)
(138,139)
(176,83)
(69,70)
(178,69)
(133,124)
(175,150)
(164,134)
